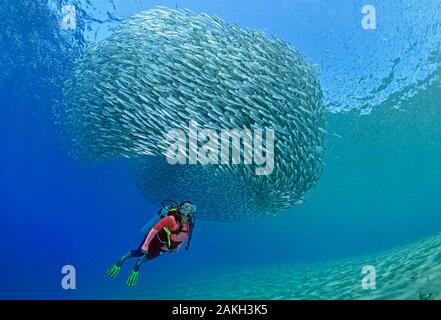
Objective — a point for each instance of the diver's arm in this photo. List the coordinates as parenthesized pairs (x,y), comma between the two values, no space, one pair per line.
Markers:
(145,245)
(185,238)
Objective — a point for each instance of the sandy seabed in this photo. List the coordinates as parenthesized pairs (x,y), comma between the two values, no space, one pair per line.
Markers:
(410,272)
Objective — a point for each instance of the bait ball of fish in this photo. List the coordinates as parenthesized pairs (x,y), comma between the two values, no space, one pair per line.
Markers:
(162,68)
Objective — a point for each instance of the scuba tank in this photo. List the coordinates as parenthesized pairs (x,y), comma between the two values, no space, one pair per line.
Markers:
(146,229)
(159,215)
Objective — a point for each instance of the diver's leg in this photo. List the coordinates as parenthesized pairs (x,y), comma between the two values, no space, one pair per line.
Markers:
(134,275)
(126,257)
(115,269)
(140,262)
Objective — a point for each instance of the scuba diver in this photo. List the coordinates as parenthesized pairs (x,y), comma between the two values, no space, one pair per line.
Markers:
(164,233)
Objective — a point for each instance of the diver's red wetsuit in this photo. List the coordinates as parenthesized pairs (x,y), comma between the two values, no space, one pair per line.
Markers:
(155,243)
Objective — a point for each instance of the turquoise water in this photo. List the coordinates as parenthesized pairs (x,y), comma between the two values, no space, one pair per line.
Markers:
(380,187)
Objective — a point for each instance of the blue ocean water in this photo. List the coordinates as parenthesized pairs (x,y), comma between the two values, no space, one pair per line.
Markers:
(380,186)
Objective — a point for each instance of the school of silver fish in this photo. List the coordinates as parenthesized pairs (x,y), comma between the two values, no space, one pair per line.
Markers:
(164,67)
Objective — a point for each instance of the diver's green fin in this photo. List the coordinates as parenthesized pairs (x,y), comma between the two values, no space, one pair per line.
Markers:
(114,270)
(133,278)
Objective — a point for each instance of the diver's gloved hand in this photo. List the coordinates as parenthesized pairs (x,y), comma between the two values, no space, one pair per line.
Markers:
(132,280)
(114,270)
